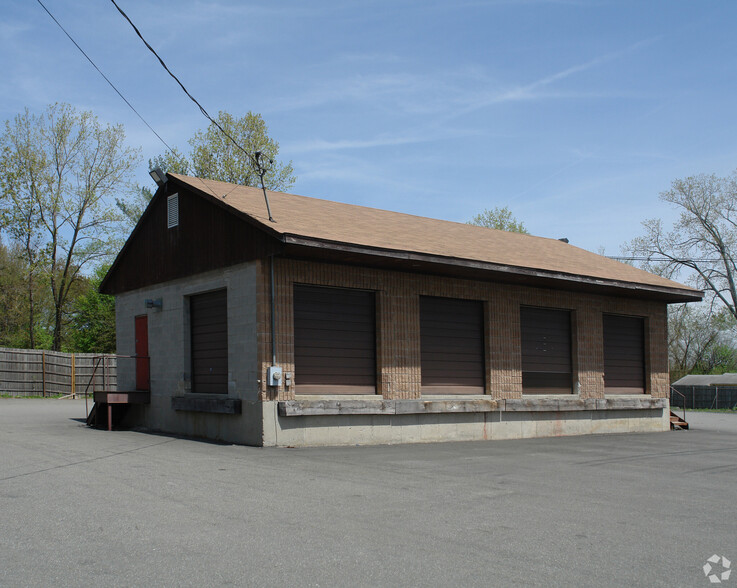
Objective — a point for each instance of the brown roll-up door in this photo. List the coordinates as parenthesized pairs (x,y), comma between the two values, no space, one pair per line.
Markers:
(451,346)
(546,351)
(208,315)
(334,341)
(624,354)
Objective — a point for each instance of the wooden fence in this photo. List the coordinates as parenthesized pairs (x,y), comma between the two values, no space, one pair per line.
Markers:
(35,372)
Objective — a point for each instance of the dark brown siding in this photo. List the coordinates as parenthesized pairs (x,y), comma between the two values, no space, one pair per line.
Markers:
(334,341)
(624,354)
(209,327)
(546,351)
(452,346)
(207,237)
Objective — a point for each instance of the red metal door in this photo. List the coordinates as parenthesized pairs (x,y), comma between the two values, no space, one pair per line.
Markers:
(142,361)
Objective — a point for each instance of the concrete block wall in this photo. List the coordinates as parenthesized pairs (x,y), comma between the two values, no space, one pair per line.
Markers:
(169,348)
(398,337)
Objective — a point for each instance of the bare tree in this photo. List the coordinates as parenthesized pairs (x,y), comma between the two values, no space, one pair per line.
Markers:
(702,243)
(65,168)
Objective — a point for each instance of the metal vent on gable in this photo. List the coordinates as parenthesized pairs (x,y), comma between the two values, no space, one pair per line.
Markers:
(172,211)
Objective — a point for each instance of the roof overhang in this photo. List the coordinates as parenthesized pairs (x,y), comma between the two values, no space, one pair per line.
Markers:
(317,249)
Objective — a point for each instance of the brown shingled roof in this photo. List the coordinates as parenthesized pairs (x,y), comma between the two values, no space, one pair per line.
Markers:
(324,220)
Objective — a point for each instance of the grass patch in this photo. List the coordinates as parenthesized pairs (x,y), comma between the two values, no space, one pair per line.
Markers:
(23,397)
(724,410)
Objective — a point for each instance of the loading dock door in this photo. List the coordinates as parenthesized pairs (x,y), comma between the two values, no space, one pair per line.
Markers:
(451,346)
(209,328)
(546,351)
(624,354)
(334,341)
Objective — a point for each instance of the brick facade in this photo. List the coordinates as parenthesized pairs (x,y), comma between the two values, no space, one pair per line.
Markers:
(398,327)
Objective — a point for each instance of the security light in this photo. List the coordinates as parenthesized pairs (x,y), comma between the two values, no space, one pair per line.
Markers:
(156,304)
(158,176)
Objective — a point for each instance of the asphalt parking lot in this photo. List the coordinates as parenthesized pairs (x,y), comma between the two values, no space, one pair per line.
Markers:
(81,507)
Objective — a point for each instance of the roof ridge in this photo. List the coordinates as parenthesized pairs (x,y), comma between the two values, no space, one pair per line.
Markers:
(363,206)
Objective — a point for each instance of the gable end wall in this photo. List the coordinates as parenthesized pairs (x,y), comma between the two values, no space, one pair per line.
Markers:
(208,237)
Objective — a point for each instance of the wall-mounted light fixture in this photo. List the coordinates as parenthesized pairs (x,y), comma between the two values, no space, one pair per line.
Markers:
(156,304)
(158,176)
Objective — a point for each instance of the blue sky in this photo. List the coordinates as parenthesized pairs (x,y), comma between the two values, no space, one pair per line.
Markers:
(575,114)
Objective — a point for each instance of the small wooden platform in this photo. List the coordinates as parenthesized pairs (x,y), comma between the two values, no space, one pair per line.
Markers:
(677,422)
(104,398)
(135,397)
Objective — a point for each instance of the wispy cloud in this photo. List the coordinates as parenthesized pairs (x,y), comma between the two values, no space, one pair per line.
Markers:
(447,94)
(400,89)
(516,3)
(222,12)
(549,177)
(11,30)
(359,173)
(531,91)
(379,141)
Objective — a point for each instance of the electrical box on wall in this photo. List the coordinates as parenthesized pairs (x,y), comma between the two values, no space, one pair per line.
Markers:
(273,375)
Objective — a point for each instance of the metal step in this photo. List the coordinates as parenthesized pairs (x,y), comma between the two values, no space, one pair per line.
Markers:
(92,416)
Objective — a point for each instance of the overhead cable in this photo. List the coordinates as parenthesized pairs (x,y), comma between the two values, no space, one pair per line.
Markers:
(662,259)
(254,157)
(176,79)
(104,76)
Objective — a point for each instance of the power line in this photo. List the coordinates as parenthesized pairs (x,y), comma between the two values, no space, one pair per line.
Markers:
(104,76)
(658,259)
(176,79)
(207,188)
(255,158)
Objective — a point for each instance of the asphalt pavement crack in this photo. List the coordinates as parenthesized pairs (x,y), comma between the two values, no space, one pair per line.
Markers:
(90,460)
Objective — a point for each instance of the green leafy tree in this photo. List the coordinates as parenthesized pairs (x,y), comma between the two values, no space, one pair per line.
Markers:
(22,183)
(173,161)
(15,328)
(61,173)
(13,301)
(700,341)
(214,156)
(721,360)
(93,318)
(499,218)
(132,208)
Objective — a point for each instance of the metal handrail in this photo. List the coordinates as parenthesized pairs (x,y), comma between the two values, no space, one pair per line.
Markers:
(101,358)
(682,395)
(86,389)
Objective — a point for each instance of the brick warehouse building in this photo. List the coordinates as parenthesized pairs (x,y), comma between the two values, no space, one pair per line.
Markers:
(340,324)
